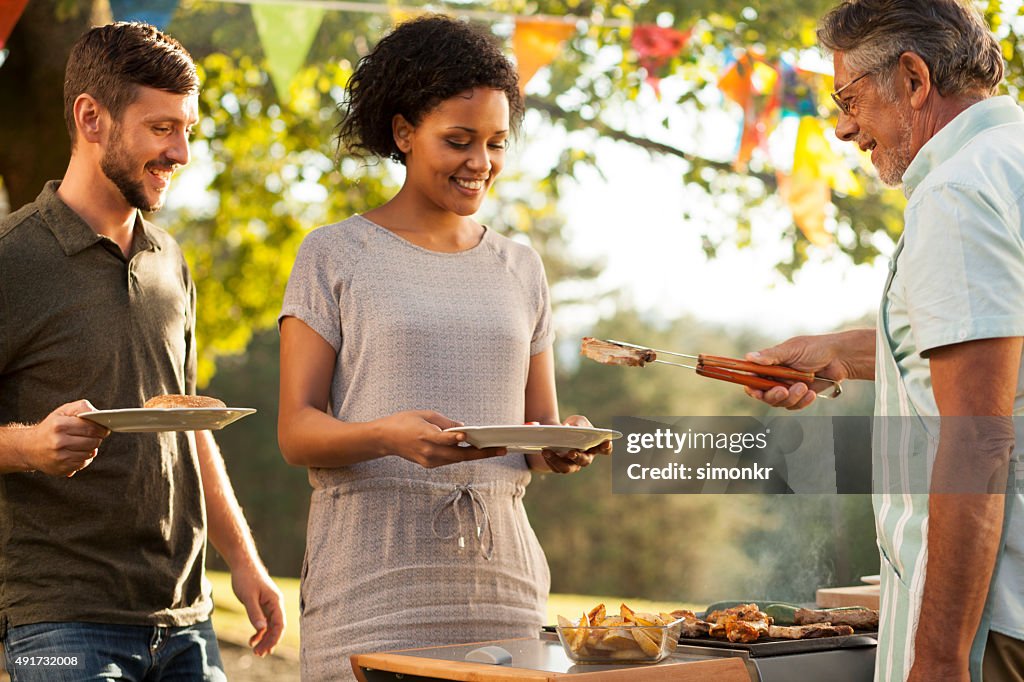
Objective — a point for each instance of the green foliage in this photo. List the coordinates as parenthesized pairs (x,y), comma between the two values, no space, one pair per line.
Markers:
(273,495)
(274,178)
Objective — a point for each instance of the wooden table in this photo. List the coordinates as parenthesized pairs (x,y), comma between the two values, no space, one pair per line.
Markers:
(537,660)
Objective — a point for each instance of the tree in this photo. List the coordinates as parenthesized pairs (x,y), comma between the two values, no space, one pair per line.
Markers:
(34,145)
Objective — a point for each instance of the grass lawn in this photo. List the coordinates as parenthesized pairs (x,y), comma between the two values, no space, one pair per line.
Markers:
(232,624)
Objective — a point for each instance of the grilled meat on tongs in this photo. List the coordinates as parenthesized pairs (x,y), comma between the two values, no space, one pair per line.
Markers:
(608,353)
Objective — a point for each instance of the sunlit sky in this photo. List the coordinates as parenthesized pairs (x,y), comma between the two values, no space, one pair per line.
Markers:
(633,219)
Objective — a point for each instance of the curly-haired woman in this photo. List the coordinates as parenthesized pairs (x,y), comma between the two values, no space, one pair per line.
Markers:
(396,324)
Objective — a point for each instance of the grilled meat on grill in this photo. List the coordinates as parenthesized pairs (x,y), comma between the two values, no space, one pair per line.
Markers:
(741,612)
(692,626)
(859,619)
(746,630)
(744,623)
(809,631)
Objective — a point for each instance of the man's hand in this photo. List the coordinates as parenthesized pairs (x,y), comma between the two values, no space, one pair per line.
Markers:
(60,445)
(839,356)
(263,604)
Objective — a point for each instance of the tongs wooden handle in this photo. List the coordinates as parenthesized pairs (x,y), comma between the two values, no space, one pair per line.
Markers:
(777,371)
(756,382)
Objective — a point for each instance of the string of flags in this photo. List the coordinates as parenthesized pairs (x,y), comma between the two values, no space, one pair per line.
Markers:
(766,92)
(655,47)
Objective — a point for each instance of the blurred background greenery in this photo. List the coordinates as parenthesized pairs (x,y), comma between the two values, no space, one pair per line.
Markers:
(692,548)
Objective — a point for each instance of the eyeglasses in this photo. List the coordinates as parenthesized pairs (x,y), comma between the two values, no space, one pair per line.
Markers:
(843,104)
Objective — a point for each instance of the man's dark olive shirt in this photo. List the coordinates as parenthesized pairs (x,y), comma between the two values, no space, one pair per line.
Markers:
(123,540)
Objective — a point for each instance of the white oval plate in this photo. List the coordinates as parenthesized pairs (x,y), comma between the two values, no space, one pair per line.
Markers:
(531,438)
(152,419)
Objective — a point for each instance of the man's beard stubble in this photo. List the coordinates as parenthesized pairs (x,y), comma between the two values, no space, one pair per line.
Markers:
(891,168)
(118,168)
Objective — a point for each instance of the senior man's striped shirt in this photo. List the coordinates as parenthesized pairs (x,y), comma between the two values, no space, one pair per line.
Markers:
(957,276)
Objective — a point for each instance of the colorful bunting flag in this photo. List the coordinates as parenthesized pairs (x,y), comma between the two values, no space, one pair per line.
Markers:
(807,198)
(815,154)
(655,47)
(155,12)
(536,42)
(10,12)
(751,83)
(816,169)
(798,91)
(286,32)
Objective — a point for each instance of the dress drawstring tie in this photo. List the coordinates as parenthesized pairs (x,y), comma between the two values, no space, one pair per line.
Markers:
(481,518)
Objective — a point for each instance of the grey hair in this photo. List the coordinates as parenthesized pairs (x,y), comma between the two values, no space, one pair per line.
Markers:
(951,37)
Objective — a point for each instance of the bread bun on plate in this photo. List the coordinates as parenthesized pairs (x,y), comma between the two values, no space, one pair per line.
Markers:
(165,401)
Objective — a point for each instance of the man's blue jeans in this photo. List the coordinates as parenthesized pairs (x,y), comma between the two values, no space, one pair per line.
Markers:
(77,652)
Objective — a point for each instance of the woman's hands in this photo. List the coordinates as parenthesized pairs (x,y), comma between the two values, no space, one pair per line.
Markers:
(419,436)
(574,460)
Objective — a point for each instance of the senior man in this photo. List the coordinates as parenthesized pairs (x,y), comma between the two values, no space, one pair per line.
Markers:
(915,86)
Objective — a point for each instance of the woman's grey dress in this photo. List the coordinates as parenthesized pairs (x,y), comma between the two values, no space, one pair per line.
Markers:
(398,556)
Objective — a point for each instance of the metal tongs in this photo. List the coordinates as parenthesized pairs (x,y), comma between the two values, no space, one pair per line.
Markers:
(758,377)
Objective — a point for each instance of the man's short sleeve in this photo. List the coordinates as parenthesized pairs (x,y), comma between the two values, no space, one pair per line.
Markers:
(190,341)
(5,317)
(963,261)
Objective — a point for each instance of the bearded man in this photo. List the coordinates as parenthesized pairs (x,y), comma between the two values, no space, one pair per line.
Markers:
(103,536)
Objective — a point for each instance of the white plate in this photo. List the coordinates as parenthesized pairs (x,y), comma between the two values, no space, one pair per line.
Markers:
(871,579)
(152,419)
(530,438)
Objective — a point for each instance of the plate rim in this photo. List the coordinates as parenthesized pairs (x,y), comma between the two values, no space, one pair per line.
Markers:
(158,420)
(588,429)
(525,445)
(172,410)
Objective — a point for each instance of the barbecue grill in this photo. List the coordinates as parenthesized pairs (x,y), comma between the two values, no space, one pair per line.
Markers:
(835,659)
